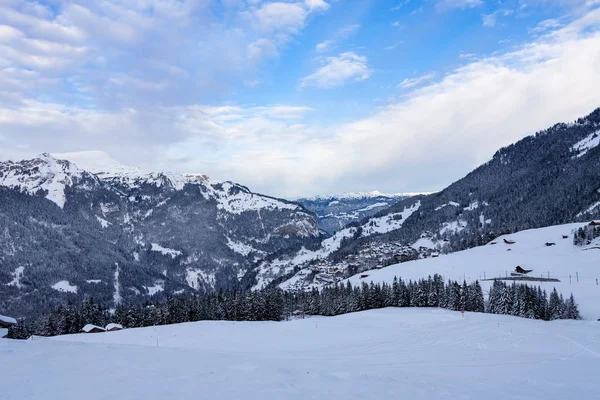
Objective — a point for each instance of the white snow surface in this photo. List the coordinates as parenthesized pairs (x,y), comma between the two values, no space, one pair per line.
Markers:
(17,275)
(64,286)
(165,250)
(8,320)
(585,145)
(530,252)
(47,173)
(281,266)
(94,281)
(377,354)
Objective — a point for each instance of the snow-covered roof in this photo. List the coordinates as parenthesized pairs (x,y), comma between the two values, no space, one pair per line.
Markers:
(90,327)
(8,320)
(113,326)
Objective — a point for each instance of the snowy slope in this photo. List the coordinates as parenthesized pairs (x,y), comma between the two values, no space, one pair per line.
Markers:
(44,173)
(530,252)
(270,270)
(378,354)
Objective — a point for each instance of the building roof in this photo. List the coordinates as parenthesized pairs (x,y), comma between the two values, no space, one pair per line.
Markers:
(7,320)
(90,327)
(113,326)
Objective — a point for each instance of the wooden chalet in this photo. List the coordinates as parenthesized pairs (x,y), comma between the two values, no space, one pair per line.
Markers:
(7,322)
(89,328)
(114,327)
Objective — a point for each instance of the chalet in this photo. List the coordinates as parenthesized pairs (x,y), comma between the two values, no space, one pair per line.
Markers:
(114,327)
(363,276)
(494,243)
(565,236)
(5,323)
(509,241)
(89,328)
(595,223)
(550,244)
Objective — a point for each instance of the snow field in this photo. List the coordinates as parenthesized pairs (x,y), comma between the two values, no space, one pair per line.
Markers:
(382,354)
(561,260)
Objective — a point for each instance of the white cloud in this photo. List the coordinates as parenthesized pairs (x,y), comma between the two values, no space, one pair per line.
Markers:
(490,20)
(316,5)
(278,17)
(261,49)
(324,46)
(340,35)
(460,4)
(338,70)
(413,82)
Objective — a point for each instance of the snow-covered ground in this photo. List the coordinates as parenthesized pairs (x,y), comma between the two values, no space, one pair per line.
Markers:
(377,354)
(577,268)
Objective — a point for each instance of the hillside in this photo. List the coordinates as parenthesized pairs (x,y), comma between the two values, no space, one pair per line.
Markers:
(577,268)
(120,234)
(422,353)
(335,212)
(546,179)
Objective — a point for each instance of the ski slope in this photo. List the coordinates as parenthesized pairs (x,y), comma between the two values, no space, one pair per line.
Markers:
(376,354)
(559,261)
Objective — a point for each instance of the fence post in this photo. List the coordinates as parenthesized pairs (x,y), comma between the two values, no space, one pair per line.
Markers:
(484,275)
(569,279)
(548,274)
(596,281)
(577,274)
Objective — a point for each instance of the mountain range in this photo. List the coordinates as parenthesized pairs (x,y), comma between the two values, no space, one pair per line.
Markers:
(335,212)
(80,224)
(550,178)
(119,234)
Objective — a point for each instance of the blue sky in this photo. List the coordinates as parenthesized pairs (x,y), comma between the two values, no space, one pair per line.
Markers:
(297,97)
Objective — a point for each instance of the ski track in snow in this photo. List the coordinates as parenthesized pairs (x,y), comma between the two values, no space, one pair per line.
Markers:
(377,354)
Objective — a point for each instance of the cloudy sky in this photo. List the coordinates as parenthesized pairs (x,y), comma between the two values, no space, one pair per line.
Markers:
(295,97)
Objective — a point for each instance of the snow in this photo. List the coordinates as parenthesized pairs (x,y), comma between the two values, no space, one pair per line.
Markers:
(194,276)
(451,203)
(530,252)
(590,209)
(94,281)
(113,326)
(8,320)
(99,163)
(281,266)
(360,195)
(165,251)
(42,173)
(64,286)
(117,294)
(373,206)
(89,327)
(377,354)
(103,223)
(389,222)
(585,145)
(17,275)
(453,227)
(473,206)
(3,332)
(159,286)
(241,248)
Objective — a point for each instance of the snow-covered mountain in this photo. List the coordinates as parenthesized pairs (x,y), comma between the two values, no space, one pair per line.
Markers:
(335,212)
(550,178)
(119,234)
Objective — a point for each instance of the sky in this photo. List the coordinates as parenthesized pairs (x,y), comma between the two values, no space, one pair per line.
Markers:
(294,98)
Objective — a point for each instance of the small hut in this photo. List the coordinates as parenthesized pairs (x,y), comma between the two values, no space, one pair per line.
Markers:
(114,327)
(5,323)
(89,328)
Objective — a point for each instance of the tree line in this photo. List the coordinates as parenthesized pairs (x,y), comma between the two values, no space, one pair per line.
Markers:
(275,305)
